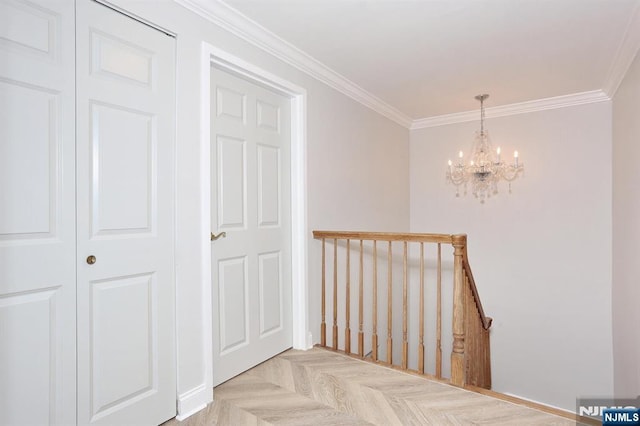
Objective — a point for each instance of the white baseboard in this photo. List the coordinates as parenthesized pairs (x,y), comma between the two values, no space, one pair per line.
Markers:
(194,400)
(553,407)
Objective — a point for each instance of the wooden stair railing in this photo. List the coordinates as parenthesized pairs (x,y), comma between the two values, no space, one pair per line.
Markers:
(470,354)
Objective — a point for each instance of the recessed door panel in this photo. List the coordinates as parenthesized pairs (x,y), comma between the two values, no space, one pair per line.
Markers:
(268,116)
(113,57)
(269,197)
(234,303)
(123,303)
(29,28)
(270,286)
(28,161)
(231,104)
(28,326)
(123,148)
(232,172)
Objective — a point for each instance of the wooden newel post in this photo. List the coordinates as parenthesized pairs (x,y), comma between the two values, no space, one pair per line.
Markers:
(457,353)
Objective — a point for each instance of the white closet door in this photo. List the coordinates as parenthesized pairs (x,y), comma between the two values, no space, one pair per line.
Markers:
(126,188)
(37,213)
(251,203)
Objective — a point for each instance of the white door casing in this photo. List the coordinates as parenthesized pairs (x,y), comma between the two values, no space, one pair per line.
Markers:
(37,213)
(125,216)
(250,194)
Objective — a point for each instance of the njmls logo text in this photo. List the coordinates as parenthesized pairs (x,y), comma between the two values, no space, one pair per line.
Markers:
(624,416)
(610,411)
(598,411)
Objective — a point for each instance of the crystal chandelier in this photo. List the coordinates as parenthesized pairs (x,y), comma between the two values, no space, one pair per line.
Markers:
(485,168)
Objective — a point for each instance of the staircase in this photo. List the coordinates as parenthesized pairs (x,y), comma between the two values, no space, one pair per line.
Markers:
(380,314)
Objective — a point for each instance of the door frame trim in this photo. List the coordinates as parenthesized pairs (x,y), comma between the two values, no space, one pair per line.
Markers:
(212,55)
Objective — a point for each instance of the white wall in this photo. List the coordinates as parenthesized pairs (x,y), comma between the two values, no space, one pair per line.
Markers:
(541,256)
(626,234)
(358,179)
(357,174)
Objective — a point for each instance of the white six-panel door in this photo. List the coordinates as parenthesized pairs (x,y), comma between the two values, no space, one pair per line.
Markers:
(125,202)
(250,195)
(37,213)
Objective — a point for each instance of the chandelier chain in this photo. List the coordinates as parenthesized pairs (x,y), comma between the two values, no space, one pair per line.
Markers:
(482,114)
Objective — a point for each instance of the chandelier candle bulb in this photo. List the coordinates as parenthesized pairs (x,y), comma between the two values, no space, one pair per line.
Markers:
(515,156)
(498,152)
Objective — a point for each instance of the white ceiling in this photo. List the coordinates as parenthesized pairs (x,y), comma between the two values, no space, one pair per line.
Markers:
(428,58)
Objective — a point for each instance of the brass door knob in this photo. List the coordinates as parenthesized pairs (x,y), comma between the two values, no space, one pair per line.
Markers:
(91,260)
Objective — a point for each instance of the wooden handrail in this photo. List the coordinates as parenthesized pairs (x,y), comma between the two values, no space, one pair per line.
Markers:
(384,236)
(470,354)
(486,321)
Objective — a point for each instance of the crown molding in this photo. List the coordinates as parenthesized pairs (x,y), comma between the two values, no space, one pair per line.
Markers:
(231,20)
(625,54)
(513,109)
(245,28)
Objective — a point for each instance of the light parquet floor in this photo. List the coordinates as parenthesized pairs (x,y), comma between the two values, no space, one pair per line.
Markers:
(321,387)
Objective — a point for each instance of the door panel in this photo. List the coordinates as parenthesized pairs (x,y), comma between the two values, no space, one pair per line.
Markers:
(234,303)
(250,184)
(37,213)
(122,150)
(29,203)
(271,292)
(232,172)
(134,376)
(125,169)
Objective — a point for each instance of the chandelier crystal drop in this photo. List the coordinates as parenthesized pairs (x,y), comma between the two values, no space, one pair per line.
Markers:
(485,168)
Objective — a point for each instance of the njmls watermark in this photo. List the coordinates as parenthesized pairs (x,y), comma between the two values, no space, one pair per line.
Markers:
(610,411)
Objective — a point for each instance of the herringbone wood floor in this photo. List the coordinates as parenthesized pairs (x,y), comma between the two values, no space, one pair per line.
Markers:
(321,387)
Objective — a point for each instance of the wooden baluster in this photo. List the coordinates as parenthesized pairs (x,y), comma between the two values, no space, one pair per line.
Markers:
(361,304)
(439,315)
(421,314)
(458,349)
(405,343)
(374,338)
(347,330)
(389,304)
(323,325)
(335,293)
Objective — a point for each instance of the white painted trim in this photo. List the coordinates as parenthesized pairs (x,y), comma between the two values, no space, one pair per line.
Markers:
(513,109)
(193,401)
(245,28)
(196,399)
(299,260)
(625,55)
(300,321)
(553,407)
